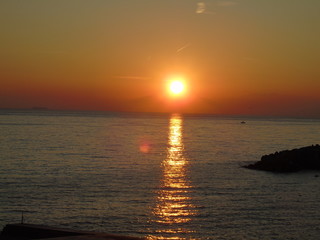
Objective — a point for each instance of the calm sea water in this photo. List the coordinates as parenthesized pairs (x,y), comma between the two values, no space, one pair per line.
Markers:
(161,176)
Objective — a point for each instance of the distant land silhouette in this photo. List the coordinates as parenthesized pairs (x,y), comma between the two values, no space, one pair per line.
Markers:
(305,158)
(40,108)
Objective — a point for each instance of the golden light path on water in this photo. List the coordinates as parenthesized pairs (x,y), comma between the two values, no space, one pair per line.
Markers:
(174,208)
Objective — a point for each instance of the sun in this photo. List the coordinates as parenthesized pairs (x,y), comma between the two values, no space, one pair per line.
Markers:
(176,87)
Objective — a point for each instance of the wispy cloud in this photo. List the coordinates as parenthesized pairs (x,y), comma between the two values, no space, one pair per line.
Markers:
(183,47)
(131,77)
(202,8)
(227,3)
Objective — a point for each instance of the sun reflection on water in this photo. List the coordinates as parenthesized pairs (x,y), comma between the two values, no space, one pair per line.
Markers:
(174,209)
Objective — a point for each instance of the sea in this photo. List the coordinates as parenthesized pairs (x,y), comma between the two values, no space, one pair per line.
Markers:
(159,176)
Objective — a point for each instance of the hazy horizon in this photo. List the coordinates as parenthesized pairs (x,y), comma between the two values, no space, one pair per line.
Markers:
(238,116)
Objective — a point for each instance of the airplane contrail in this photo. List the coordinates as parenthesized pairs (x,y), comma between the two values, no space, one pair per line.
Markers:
(183,47)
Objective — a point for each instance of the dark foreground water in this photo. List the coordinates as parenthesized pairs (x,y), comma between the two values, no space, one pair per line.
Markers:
(161,176)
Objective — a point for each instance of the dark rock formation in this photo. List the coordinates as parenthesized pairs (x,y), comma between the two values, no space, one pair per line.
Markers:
(31,231)
(306,158)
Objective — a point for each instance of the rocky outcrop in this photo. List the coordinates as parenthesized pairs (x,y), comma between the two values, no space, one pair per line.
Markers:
(305,158)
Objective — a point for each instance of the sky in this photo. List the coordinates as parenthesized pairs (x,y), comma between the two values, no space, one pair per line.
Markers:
(237,57)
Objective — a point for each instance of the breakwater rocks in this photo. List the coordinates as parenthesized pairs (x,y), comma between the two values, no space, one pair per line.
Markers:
(32,231)
(305,158)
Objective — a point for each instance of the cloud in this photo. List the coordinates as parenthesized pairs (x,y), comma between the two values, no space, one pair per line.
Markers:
(183,47)
(202,8)
(227,3)
(131,77)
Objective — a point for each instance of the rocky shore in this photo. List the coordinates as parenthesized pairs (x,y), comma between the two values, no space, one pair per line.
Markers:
(305,158)
(31,231)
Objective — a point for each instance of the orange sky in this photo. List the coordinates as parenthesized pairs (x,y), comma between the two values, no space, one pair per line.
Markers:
(238,57)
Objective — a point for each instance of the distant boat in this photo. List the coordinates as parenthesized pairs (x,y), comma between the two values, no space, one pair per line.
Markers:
(243,122)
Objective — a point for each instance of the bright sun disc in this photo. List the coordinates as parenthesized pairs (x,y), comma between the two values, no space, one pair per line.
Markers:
(176,87)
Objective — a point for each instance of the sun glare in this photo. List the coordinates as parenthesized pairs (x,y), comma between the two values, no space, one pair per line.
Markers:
(176,87)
